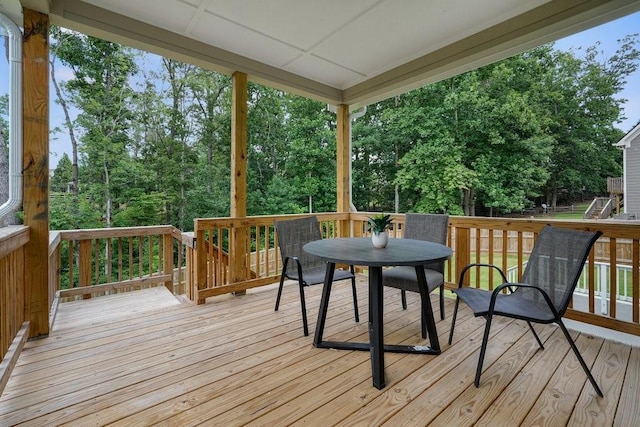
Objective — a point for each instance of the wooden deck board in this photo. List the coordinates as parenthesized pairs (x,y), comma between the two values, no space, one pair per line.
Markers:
(141,359)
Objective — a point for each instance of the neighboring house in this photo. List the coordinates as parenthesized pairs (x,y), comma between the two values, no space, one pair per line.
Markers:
(630,145)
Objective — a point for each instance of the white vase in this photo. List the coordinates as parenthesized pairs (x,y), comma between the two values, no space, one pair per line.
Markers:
(379,239)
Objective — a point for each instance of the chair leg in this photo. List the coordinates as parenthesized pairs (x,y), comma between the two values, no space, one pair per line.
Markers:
(279,291)
(483,350)
(423,322)
(536,335)
(403,297)
(453,320)
(303,306)
(355,297)
(579,356)
(442,302)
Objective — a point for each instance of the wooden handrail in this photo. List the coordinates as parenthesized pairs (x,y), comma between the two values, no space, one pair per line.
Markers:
(14,327)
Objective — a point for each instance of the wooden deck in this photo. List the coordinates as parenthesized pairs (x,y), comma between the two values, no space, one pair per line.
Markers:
(143,358)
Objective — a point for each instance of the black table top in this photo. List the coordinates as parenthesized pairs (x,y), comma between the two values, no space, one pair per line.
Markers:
(360,251)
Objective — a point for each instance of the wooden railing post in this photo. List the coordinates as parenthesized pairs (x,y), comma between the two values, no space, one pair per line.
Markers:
(167,253)
(200,266)
(84,275)
(462,251)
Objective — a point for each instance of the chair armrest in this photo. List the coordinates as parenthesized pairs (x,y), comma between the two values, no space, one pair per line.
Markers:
(468,267)
(511,286)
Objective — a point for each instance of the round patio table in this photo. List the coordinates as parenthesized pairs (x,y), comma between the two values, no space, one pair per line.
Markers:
(360,251)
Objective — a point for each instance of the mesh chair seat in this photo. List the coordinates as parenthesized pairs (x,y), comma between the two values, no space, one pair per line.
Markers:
(405,278)
(514,305)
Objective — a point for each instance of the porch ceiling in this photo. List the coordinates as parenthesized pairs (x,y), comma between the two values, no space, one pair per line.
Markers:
(353,52)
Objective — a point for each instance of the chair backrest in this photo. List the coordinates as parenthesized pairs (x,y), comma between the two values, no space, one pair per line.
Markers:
(429,227)
(293,234)
(556,263)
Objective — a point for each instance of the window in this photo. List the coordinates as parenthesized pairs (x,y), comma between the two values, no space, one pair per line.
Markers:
(10,123)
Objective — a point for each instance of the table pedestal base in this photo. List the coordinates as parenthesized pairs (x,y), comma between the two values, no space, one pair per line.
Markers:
(376,343)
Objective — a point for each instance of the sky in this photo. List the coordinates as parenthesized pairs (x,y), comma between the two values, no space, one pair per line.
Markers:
(607,35)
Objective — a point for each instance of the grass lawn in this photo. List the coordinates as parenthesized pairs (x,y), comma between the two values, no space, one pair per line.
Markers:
(578,212)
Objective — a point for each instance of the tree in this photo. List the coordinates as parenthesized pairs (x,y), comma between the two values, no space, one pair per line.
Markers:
(209,194)
(62,178)
(100,90)
(582,109)
(496,138)
(311,162)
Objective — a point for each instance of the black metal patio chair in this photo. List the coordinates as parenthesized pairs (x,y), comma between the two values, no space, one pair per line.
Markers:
(305,268)
(432,228)
(543,294)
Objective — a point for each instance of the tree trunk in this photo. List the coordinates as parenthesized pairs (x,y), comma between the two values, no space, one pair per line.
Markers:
(468,202)
(69,125)
(107,196)
(396,201)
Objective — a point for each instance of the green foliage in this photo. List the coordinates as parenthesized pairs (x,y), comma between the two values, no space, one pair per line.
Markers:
(155,139)
(379,223)
(146,209)
(61,212)
(62,176)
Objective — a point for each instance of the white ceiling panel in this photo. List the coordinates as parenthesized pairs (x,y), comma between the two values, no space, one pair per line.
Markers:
(300,23)
(173,15)
(212,29)
(341,51)
(388,36)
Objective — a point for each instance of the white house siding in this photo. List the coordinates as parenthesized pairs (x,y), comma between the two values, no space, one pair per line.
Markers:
(632,169)
(630,143)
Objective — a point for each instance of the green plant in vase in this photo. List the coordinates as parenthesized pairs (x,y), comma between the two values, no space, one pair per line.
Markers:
(378,226)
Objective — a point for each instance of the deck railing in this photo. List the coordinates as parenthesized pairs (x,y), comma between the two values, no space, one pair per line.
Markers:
(86,263)
(236,254)
(225,255)
(615,185)
(241,253)
(14,329)
(619,245)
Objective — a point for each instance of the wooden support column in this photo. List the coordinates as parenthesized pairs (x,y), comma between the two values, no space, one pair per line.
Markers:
(238,242)
(343,165)
(35,102)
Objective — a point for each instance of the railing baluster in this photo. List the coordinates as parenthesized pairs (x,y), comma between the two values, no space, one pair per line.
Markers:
(592,280)
(635,281)
(490,261)
(505,249)
(119,259)
(613,285)
(478,259)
